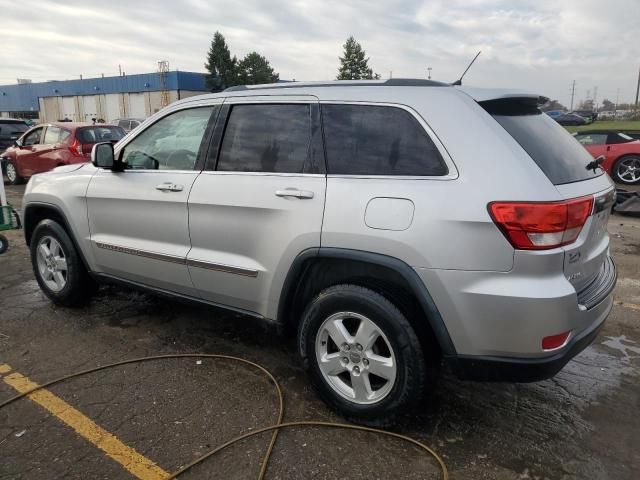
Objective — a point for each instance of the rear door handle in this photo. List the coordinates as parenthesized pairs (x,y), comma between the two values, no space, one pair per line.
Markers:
(169,187)
(294,192)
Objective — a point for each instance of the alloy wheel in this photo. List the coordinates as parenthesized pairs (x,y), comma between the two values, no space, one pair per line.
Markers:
(52,263)
(11,172)
(628,169)
(355,358)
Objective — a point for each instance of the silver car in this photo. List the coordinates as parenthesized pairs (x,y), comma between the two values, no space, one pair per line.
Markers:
(393,226)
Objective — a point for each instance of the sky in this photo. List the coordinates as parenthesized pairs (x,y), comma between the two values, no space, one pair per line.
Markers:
(537,45)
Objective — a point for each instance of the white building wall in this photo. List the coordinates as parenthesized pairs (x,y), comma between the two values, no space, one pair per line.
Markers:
(107,107)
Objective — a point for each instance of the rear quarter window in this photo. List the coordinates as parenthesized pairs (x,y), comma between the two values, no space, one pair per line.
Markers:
(558,154)
(378,140)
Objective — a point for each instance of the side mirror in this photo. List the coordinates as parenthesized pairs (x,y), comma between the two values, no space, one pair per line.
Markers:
(102,155)
(17,143)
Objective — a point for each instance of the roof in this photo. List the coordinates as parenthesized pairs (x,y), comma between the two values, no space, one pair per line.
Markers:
(74,125)
(392,82)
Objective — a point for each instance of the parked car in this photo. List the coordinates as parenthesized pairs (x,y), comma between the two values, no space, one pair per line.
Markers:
(127,124)
(10,130)
(51,145)
(589,115)
(570,119)
(337,212)
(621,153)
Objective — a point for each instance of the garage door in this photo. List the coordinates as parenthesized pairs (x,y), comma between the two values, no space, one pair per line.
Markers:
(112,106)
(89,108)
(69,109)
(137,105)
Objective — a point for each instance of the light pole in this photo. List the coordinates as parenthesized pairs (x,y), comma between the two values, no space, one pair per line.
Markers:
(429,74)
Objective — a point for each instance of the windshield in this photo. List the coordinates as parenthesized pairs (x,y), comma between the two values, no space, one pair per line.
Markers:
(100,134)
(555,151)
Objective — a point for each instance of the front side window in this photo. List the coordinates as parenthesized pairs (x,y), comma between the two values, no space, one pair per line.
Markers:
(266,138)
(51,136)
(378,140)
(171,143)
(33,138)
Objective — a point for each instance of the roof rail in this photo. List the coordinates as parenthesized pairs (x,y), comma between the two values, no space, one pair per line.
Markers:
(392,82)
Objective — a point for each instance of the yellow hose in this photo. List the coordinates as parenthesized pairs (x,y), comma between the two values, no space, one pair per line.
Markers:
(272,428)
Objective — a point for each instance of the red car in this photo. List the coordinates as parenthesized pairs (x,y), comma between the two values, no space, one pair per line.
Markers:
(621,154)
(47,146)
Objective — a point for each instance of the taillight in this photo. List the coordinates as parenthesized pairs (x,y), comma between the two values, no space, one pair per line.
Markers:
(541,225)
(76,148)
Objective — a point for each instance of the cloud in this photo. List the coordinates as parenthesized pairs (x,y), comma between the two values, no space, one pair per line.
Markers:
(540,45)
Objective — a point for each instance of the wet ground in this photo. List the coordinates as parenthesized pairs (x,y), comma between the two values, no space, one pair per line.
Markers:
(583,424)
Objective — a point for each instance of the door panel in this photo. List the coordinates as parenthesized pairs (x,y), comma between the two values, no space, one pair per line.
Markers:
(27,156)
(244,237)
(138,232)
(247,227)
(138,218)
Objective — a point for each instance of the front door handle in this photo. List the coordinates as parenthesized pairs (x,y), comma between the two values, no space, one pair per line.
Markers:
(294,192)
(169,187)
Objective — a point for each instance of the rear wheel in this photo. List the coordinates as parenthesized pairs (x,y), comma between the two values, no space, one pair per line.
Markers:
(4,244)
(627,170)
(58,267)
(12,174)
(362,355)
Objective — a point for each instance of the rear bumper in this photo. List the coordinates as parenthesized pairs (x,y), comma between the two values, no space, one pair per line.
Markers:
(504,369)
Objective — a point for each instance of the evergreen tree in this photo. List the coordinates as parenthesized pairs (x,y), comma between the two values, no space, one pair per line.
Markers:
(221,67)
(254,69)
(354,65)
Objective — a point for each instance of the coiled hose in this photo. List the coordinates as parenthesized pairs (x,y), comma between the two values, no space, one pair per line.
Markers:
(273,428)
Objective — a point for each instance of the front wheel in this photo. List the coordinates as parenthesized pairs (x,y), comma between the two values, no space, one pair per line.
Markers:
(58,267)
(627,170)
(4,244)
(12,174)
(362,355)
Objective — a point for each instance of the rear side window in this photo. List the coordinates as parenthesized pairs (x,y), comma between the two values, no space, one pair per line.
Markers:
(51,136)
(266,138)
(99,134)
(555,151)
(378,140)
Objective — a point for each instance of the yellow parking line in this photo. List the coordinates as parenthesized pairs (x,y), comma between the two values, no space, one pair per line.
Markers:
(137,464)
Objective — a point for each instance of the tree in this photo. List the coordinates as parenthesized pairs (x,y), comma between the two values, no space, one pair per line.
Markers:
(552,105)
(608,105)
(221,67)
(254,69)
(586,105)
(354,65)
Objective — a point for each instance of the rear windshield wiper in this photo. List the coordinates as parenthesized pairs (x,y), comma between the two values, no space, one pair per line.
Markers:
(593,165)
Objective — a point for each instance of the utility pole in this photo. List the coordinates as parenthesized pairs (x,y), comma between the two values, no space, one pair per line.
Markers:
(429,74)
(120,69)
(638,89)
(595,98)
(573,92)
(615,109)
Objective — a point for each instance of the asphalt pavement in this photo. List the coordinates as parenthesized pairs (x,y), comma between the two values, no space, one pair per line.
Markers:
(582,424)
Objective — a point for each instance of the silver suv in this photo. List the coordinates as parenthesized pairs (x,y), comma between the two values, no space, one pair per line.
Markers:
(394,225)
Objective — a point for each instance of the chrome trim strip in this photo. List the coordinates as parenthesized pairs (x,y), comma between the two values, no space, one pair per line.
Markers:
(220,267)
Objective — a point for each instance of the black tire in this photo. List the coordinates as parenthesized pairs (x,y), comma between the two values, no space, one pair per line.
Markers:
(15,178)
(4,244)
(79,285)
(412,376)
(615,174)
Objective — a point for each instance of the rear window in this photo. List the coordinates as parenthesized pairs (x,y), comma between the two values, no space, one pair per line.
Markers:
(555,151)
(99,134)
(13,127)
